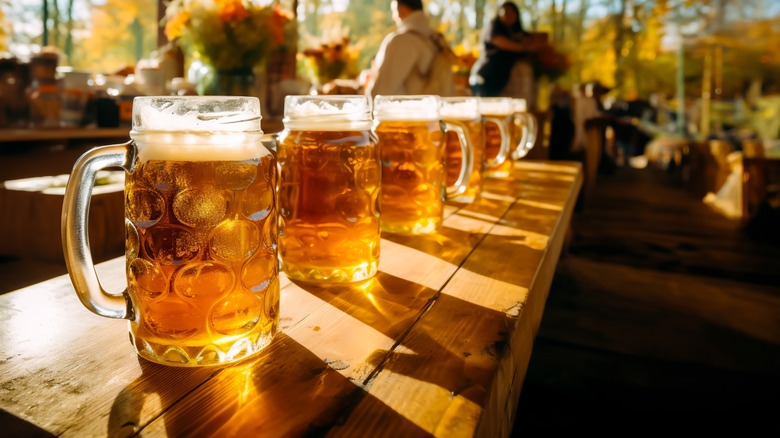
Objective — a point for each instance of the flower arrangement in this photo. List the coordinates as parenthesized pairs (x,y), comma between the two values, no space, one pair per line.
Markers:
(332,60)
(229,35)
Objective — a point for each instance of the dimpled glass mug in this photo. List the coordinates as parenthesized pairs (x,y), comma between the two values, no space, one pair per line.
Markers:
(410,135)
(329,178)
(463,111)
(200,218)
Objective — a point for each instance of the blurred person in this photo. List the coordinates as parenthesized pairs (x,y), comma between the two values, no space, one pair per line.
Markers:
(562,126)
(506,50)
(405,54)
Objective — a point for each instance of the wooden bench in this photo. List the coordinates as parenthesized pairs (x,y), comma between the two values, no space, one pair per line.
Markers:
(31,212)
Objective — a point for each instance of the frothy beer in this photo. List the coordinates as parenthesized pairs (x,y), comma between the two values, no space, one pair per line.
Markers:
(412,150)
(201,247)
(328,190)
(464,111)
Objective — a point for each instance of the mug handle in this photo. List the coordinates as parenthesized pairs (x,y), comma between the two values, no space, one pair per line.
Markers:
(503,151)
(75,234)
(528,140)
(467,162)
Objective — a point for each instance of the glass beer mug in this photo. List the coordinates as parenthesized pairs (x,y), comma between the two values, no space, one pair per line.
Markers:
(498,113)
(524,130)
(200,219)
(328,189)
(463,111)
(411,144)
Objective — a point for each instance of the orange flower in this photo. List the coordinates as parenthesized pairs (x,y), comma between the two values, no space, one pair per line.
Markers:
(277,23)
(174,28)
(231,10)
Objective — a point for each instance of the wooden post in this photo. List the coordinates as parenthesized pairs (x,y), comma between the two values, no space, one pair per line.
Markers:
(162,40)
(706,86)
(680,75)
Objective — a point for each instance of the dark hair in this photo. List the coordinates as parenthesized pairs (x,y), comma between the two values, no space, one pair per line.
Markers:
(415,5)
(517,26)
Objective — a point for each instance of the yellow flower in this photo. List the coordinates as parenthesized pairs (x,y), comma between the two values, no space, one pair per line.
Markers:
(174,27)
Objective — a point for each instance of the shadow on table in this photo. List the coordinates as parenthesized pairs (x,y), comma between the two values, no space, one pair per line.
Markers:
(285,391)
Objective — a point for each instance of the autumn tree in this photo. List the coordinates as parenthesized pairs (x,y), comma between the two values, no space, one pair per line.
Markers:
(5,28)
(122,32)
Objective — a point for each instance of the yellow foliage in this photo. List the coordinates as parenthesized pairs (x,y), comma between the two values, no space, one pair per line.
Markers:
(111,44)
(5,31)
(596,55)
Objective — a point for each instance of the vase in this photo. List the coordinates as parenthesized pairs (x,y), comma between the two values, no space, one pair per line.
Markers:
(240,82)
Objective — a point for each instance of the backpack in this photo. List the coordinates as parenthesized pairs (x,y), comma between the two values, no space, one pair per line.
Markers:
(440,77)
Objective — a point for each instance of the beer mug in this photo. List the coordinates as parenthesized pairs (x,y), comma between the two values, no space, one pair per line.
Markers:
(411,145)
(524,130)
(328,189)
(200,220)
(463,111)
(498,113)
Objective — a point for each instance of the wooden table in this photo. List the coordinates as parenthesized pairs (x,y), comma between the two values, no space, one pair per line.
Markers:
(438,343)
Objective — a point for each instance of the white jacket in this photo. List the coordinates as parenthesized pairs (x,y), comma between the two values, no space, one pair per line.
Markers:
(401,51)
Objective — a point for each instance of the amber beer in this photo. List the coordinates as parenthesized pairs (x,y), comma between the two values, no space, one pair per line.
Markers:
(200,231)
(464,112)
(328,190)
(411,144)
(498,113)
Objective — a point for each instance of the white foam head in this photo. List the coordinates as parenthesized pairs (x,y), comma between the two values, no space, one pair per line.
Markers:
(406,108)
(196,114)
(327,113)
(197,128)
(459,108)
(519,105)
(495,106)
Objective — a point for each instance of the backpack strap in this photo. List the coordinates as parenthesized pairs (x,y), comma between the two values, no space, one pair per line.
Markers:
(442,45)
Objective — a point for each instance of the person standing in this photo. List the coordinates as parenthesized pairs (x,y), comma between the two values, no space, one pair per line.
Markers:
(504,45)
(404,54)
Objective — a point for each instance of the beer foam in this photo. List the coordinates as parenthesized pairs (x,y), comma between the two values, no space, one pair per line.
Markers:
(412,110)
(496,106)
(461,110)
(183,146)
(519,105)
(321,115)
(196,114)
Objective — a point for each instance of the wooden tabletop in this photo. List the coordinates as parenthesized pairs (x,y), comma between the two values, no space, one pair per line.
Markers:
(438,343)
